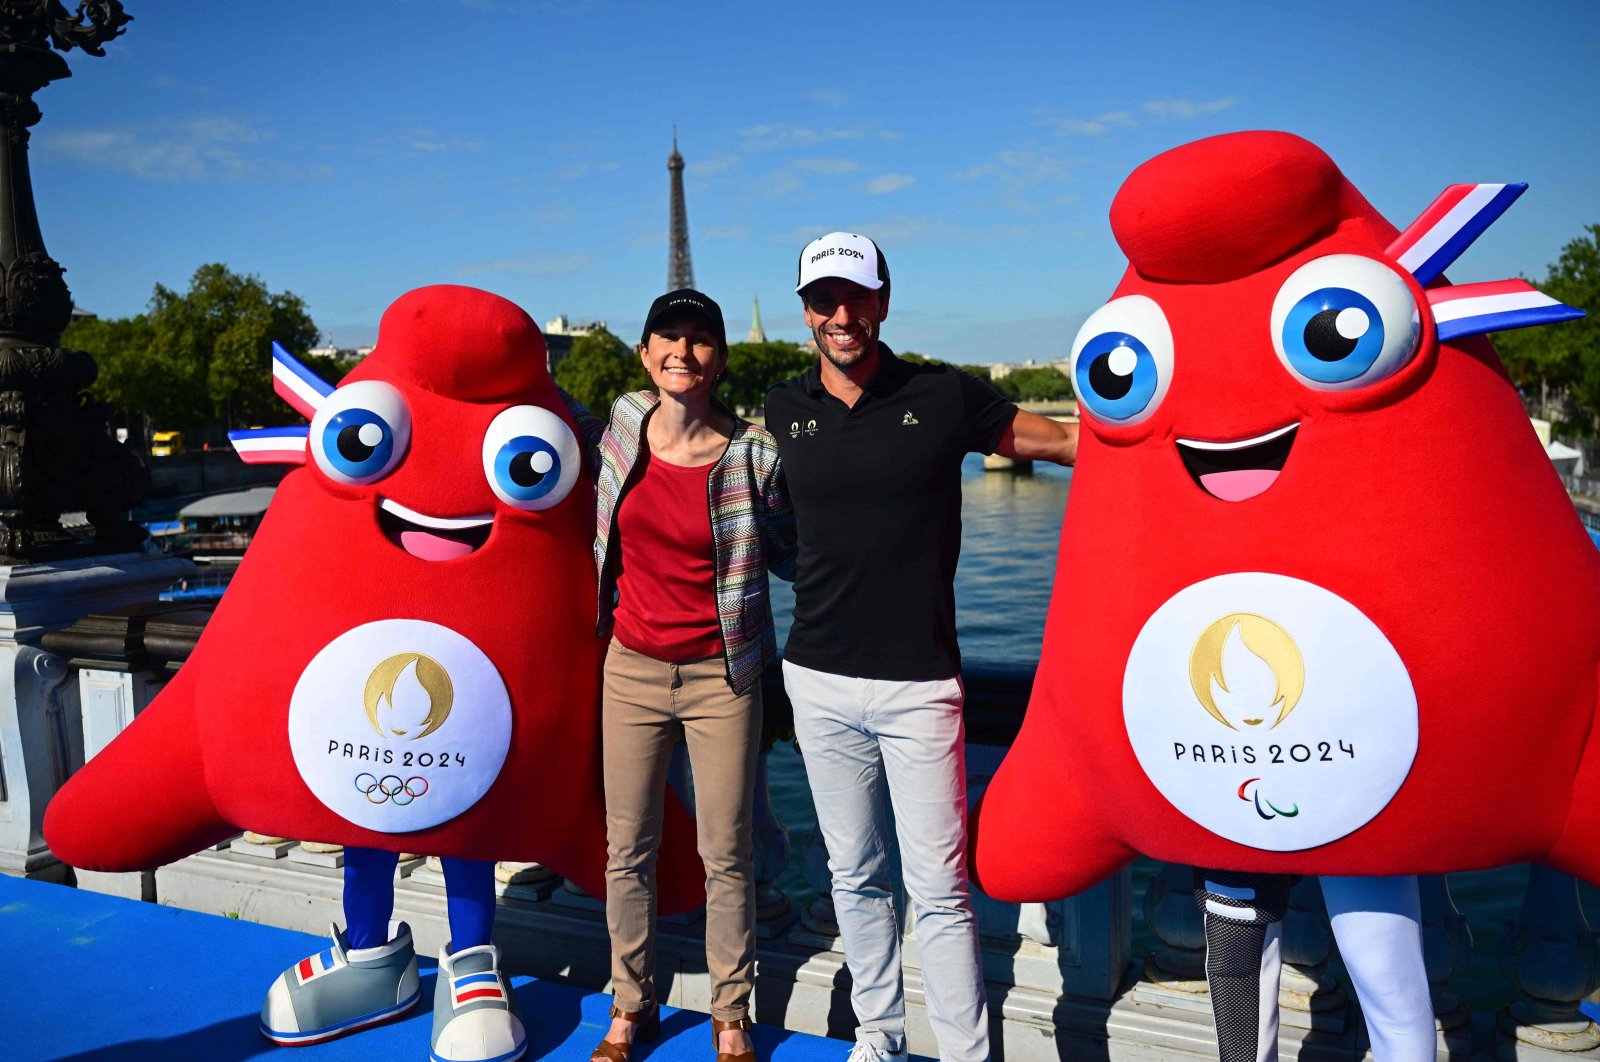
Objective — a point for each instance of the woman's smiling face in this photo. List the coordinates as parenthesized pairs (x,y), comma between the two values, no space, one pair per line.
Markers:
(682,355)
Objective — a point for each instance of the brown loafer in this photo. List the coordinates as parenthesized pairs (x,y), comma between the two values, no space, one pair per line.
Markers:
(718,1027)
(649,1022)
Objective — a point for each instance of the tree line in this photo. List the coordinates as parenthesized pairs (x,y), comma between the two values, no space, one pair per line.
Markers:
(601,367)
(198,361)
(1557,367)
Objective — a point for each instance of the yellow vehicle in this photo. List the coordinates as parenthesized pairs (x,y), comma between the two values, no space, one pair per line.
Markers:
(166,444)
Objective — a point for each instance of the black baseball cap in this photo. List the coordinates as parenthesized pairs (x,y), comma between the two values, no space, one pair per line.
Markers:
(685,300)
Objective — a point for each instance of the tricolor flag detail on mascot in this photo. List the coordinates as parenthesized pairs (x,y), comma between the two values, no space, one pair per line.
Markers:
(476,986)
(271,446)
(324,962)
(1494,306)
(296,384)
(1461,214)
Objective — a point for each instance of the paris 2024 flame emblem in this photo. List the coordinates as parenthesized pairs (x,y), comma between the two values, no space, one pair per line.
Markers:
(1284,719)
(400,741)
(1248,673)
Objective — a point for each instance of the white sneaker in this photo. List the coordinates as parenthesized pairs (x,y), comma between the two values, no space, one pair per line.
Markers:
(865,1052)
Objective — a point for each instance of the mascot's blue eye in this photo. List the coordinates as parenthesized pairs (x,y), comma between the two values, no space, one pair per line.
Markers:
(1122,360)
(361,432)
(530,457)
(1116,375)
(1333,335)
(358,442)
(527,468)
(1344,321)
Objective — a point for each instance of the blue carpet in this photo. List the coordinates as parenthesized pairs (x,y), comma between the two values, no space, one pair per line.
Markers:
(113,980)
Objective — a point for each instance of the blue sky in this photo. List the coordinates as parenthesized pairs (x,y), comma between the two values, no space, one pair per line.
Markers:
(348,152)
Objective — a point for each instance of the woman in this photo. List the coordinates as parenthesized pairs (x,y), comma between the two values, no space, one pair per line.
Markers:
(692,513)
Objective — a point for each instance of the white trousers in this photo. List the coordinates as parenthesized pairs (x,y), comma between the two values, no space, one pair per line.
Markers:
(1378,924)
(864,740)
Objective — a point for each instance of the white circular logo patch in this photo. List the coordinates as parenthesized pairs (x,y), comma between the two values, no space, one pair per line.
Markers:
(1269,710)
(399,725)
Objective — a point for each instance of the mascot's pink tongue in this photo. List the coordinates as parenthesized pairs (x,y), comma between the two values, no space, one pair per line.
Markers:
(432,547)
(1233,486)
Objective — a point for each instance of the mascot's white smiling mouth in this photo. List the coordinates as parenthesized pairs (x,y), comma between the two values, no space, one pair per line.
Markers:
(432,537)
(1234,471)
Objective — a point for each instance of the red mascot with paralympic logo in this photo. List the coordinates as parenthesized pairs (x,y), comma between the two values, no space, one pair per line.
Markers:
(405,661)
(1321,598)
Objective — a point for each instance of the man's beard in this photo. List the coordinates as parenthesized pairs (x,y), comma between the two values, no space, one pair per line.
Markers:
(869,344)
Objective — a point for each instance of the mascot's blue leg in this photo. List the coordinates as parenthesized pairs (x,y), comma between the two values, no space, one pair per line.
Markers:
(1378,924)
(469,888)
(368,896)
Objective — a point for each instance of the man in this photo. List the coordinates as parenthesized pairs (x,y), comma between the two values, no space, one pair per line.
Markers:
(872,448)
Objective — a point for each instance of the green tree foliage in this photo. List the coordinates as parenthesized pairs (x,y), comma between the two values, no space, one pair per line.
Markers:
(1558,366)
(223,328)
(600,368)
(756,368)
(141,389)
(1034,384)
(199,358)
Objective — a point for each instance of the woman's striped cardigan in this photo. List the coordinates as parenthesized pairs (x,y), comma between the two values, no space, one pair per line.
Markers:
(752,531)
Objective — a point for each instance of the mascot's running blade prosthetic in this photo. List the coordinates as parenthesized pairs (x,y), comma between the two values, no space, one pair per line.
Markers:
(1322,604)
(405,661)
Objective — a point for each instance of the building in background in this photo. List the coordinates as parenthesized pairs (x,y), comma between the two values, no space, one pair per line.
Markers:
(757,333)
(559,334)
(680,267)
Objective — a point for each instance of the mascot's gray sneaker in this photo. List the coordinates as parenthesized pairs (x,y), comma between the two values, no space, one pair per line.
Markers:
(474,1017)
(340,990)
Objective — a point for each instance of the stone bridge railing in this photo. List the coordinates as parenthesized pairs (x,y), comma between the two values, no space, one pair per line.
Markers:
(1062,976)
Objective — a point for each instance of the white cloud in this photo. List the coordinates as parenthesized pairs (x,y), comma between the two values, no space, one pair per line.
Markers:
(1096,126)
(189,150)
(1155,110)
(428,141)
(828,167)
(793,177)
(781,135)
(828,97)
(708,167)
(561,265)
(167,81)
(1189,108)
(1019,168)
(890,182)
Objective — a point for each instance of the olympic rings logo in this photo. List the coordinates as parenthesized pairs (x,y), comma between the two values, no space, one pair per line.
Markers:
(391,788)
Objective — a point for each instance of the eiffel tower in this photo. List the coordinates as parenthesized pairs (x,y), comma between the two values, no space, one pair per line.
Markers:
(680,267)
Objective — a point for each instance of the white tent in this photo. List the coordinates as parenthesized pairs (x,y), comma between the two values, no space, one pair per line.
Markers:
(252,502)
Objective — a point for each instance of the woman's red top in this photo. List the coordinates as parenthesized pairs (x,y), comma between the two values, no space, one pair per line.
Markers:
(666,586)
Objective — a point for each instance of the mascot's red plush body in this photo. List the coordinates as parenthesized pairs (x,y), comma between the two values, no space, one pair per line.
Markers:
(406,659)
(1322,605)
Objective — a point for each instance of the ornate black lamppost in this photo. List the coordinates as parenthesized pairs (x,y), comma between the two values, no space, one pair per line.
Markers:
(55,452)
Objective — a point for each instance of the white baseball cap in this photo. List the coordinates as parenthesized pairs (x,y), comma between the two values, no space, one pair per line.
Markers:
(845,255)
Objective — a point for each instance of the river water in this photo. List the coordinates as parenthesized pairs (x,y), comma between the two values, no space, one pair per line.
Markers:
(1010,527)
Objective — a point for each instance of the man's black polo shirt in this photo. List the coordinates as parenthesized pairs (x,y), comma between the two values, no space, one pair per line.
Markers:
(877,497)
